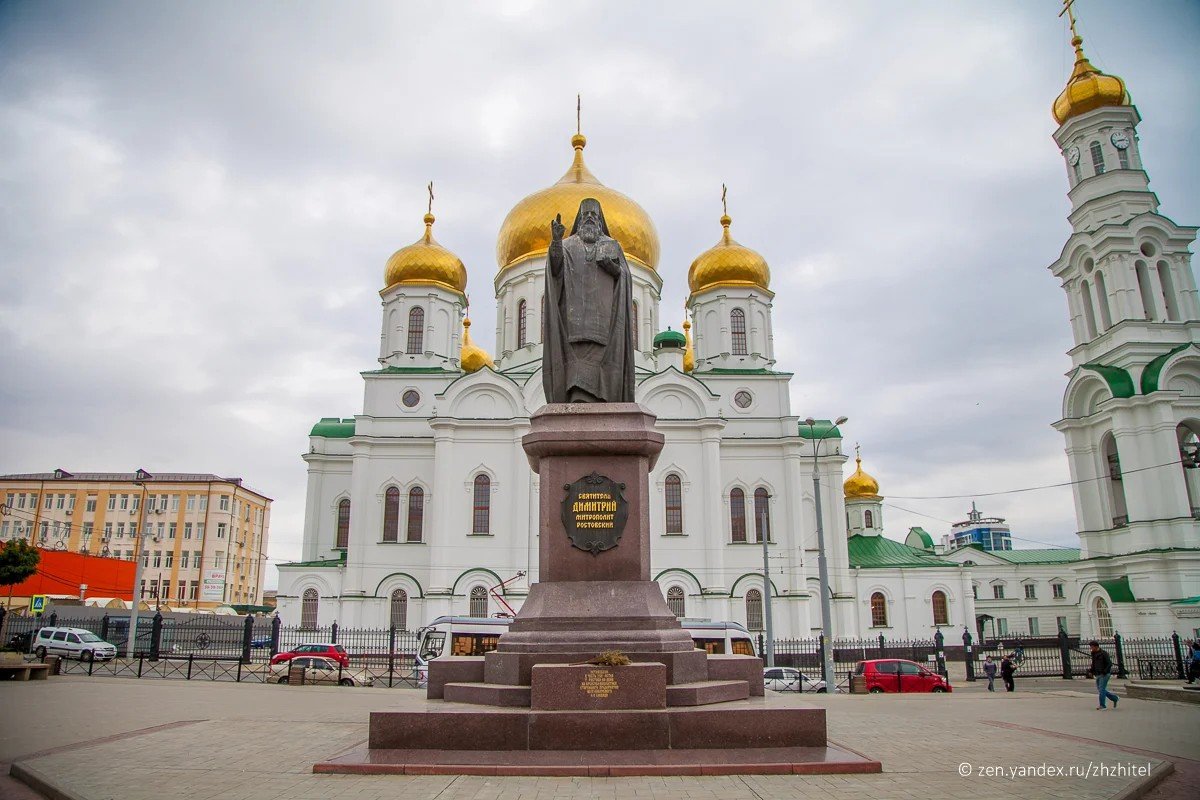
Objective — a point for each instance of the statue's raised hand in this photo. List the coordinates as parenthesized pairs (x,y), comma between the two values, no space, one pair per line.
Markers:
(557,228)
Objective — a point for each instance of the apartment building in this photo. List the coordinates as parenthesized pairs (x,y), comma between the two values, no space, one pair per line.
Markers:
(202,538)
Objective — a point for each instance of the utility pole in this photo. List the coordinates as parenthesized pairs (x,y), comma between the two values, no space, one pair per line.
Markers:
(140,478)
(770,628)
(827,673)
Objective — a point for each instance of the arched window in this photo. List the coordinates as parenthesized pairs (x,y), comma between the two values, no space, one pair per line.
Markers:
(737,328)
(343,523)
(399,612)
(1123,157)
(1097,158)
(416,513)
(634,323)
(676,601)
(416,330)
(391,514)
(308,609)
(754,617)
(1116,487)
(1089,313)
(737,515)
(868,519)
(1170,301)
(1104,626)
(479,602)
(941,612)
(762,515)
(521,323)
(1102,301)
(481,518)
(1189,453)
(673,489)
(878,610)
(1144,289)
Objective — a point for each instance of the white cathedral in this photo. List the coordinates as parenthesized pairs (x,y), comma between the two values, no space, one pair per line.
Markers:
(424,505)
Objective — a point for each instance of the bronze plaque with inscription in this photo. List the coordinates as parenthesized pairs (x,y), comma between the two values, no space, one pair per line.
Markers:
(594,513)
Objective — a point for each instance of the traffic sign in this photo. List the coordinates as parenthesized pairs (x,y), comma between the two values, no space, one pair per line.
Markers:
(37,603)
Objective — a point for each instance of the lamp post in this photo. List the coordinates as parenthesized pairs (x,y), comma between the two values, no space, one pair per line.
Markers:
(139,479)
(765,534)
(822,563)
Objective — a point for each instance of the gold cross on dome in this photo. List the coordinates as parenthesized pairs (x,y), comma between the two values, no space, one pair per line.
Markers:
(1069,10)
(857,451)
(578,113)
(724,205)
(430,189)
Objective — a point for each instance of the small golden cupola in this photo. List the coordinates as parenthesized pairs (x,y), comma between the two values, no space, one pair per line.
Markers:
(860,485)
(1088,88)
(472,357)
(728,263)
(426,263)
(689,355)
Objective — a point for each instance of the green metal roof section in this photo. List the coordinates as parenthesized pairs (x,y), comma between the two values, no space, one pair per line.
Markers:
(335,562)
(1119,590)
(1047,555)
(333,428)
(1188,601)
(1153,370)
(673,337)
(921,535)
(1118,379)
(410,371)
(758,371)
(824,429)
(878,552)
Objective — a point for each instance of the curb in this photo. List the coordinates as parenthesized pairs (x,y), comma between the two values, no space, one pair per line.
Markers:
(40,783)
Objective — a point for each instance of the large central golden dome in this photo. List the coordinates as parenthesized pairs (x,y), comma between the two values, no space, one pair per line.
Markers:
(526,229)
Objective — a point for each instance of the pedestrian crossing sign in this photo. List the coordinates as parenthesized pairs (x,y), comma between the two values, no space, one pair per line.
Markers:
(37,603)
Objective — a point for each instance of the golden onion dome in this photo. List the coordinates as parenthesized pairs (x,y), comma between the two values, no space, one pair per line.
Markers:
(472,357)
(1088,89)
(728,264)
(526,229)
(425,262)
(860,485)
(689,355)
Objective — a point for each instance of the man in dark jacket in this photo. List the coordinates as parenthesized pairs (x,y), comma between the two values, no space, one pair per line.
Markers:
(1101,670)
(1007,671)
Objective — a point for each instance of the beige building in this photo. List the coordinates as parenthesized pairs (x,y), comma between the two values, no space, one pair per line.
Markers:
(203,537)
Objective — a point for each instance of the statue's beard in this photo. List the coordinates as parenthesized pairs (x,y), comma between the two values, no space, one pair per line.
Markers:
(589,232)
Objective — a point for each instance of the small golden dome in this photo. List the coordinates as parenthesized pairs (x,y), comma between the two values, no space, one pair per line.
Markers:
(689,355)
(526,229)
(1088,89)
(728,264)
(426,262)
(472,357)
(860,485)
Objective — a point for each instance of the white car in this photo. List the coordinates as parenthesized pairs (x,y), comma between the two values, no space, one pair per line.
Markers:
(77,643)
(319,669)
(790,679)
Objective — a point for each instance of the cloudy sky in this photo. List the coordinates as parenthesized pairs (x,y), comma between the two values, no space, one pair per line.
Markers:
(197,201)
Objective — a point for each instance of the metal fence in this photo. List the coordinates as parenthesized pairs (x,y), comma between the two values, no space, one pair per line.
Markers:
(1065,656)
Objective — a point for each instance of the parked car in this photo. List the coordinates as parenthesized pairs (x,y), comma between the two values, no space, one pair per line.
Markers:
(327,649)
(898,675)
(320,669)
(260,641)
(790,679)
(72,643)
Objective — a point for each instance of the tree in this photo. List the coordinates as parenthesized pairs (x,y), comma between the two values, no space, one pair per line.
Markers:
(18,560)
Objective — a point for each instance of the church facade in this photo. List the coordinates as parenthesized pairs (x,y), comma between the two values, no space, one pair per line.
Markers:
(423,504)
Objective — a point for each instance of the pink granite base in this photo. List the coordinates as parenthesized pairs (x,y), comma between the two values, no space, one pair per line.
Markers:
(588,687)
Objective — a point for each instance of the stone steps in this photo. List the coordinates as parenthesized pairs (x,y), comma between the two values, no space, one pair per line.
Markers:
(703,693)
(490,694)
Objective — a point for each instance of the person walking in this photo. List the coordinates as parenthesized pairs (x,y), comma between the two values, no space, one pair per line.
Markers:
(1194,662)
(1102,671)
(989,669)
(1007,670)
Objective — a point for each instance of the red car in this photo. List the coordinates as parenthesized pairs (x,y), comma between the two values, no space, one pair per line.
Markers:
(897,675)
(329,650)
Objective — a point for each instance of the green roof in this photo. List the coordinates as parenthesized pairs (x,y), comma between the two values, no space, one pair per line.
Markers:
(243,608)
(921,535)
(724,371)
(1118,379)
(878,552)
(1153,370)
(411,371)
(334,562)
(670,337)
(823,429)
(333,428)
(1045,555)
(1119,590)
(1188,601)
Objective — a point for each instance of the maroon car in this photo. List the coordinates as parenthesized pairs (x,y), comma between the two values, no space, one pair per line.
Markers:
(327,649)
(898,675)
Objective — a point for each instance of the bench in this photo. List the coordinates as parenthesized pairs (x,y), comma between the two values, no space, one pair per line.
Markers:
(12,671)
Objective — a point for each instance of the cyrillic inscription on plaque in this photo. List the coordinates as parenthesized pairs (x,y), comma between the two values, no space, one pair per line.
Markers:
(594,513)
(598,683)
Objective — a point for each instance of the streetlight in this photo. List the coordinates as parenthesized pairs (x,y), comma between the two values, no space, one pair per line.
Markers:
(765,534)
(822,565)
(139,479)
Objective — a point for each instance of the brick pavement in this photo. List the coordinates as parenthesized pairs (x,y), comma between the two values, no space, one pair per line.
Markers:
(106,738)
